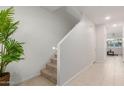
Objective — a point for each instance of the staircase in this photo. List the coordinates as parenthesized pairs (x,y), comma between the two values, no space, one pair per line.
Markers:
(50,71)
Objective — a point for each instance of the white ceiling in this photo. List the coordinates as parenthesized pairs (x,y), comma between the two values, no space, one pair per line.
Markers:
(70,10)
(51,8)
(98,13)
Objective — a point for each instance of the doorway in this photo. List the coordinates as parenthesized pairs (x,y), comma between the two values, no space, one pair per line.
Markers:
(114,41)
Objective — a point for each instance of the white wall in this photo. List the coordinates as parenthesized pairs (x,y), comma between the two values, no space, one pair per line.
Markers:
(76,12)
(100,43)
(76,50)
(65,14)
(40,30)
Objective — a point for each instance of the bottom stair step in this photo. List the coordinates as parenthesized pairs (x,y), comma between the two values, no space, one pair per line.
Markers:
(49,75)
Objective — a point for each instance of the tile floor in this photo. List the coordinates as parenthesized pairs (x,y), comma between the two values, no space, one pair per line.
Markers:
(37,81)
(109,73)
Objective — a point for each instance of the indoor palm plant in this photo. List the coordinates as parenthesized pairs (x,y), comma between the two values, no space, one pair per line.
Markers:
(10,49)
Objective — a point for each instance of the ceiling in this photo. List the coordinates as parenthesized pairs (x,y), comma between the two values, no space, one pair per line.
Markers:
(98,13)
(51,8)
(70,10)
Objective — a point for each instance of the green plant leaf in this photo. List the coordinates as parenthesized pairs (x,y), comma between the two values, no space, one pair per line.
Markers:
(14,50)
(11,50)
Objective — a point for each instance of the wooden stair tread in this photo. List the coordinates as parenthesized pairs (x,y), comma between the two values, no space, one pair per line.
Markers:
(48,72)
(52,65)
(53,60)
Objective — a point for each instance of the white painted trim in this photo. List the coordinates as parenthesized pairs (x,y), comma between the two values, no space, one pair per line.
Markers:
(77,74)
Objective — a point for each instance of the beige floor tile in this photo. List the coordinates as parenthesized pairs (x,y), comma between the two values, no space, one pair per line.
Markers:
(108,73)
(37,81)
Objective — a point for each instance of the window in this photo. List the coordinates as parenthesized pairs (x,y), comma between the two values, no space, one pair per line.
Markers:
(114,43)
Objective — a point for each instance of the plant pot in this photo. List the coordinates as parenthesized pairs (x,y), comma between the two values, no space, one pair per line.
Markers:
(4,79)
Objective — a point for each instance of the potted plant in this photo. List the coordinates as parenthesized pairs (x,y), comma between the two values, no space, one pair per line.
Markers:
(10,49)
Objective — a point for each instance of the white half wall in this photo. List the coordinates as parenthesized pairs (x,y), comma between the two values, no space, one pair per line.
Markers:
(76,50)
(40,30)
(100,43)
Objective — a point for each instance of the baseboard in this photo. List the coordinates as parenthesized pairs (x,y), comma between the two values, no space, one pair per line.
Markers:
(20,82)
(76,75)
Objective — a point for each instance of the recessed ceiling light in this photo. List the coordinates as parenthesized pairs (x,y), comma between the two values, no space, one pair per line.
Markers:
(53,48)
(107,18)
(114,25)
